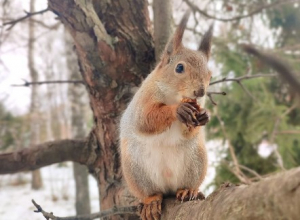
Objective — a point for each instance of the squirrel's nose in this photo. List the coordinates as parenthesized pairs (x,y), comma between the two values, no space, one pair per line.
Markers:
(200,92)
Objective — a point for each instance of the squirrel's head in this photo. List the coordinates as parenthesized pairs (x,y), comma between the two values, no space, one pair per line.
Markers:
(185,71)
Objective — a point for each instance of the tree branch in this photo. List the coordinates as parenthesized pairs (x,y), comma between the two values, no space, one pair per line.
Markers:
(284,71)
(287,132)
(273,135)
(43,155)
(237,171)
(26,83)
(251,13)
(260,200)
(106,213)
(28,15)
(209,94)
(273,198)
(241,78)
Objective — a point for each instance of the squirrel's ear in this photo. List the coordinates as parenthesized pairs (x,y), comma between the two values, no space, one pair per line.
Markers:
(175,43)
(205,45)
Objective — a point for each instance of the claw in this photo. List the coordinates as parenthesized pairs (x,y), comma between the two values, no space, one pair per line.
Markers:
(151,208)
(189,194)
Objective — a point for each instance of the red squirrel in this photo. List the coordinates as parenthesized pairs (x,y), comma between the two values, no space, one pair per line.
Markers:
(161,140)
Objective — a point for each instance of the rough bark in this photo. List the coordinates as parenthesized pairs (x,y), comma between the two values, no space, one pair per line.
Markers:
(45,154)
(162,12)
(115,51)
(276,197)
(36,180)
(77,97)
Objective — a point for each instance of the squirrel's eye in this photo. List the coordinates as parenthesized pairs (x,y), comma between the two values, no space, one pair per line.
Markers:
(179,68)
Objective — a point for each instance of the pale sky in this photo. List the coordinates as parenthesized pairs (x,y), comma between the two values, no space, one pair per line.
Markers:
(14,57)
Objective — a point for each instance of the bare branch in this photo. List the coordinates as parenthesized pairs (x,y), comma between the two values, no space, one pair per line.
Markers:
(27,84)
(241,78)
(287,132)
(43,155)
(251,171)
(246,90)
(239,81)
(209,94)
(106,213)
(237,171)
(278,65)
(28,15)
(273,134)
(251,13)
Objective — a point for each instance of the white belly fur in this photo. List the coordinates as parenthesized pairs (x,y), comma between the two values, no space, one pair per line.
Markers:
(165,158)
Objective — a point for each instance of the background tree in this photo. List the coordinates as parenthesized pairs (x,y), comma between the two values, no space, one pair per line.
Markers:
(37,182)
(77,97)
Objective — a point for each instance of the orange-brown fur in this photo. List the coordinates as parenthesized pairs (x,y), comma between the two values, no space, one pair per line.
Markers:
(156,118)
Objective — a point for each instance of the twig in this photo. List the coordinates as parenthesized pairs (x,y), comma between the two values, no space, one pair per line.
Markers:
(239,81)
(237,171)
(287,132)
(251,13)
(246,90)
(106,213)
(26,83)
(209,94)
(251,171)
(241,78)
(28,15)
(273,134)
(285,72)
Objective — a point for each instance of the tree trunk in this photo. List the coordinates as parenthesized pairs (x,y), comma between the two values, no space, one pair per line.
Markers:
(115,51)
(162,11)
(77,97)
(36,181)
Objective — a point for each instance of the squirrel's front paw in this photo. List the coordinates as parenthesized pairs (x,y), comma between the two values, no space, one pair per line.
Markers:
(186,113)
(202,117)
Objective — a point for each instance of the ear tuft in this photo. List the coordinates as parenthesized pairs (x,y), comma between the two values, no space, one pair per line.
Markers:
(205,45)
(175,42)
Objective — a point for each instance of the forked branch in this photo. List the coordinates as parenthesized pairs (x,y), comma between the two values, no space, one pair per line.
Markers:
(28,15)
(241,78)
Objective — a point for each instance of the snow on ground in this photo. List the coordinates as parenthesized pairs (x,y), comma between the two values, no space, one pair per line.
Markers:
(57,195)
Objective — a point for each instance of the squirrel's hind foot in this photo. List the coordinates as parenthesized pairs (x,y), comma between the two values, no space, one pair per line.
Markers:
(189,194)
(151,207)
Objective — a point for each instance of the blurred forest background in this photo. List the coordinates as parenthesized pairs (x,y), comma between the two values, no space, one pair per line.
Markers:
(254,130)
